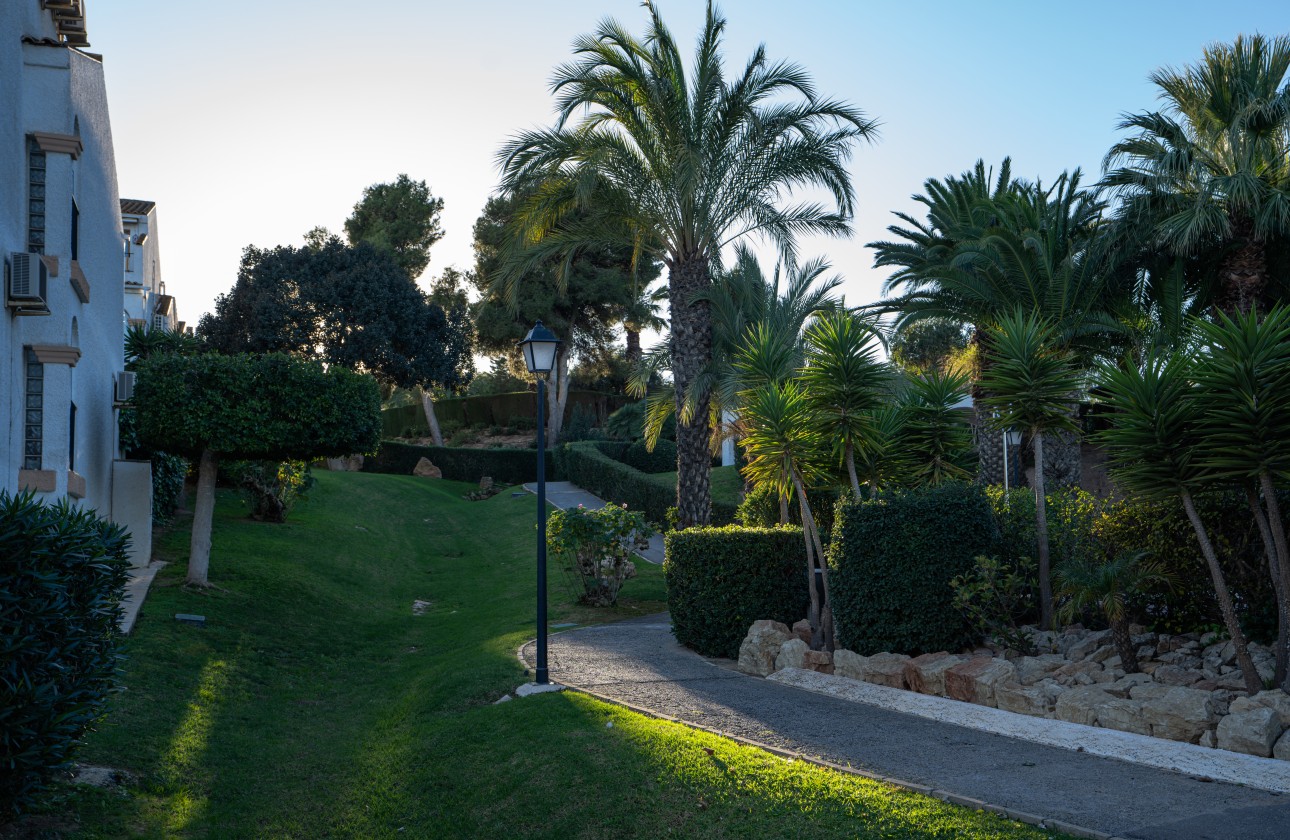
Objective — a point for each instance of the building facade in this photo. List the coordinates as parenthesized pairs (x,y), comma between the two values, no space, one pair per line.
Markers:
(146,302)
(61,243)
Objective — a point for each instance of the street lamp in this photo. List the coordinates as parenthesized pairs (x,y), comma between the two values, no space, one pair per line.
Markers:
(539,348)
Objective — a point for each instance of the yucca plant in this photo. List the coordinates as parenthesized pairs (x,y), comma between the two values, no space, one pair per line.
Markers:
(1029,381)
(1107,584)
(1154,449)
(844,381)
(935,436)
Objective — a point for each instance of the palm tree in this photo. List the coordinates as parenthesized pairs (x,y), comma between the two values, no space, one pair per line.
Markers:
(1029,381)
(1108,584)
(689,162)
(1154,450)
(1210,173)
(845,381)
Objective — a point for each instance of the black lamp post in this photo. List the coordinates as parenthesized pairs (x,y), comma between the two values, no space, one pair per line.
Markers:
(539,348)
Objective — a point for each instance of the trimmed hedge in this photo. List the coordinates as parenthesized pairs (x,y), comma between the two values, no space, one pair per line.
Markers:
(505,466)
(721,580)
(661,460)
(893,558)
(62,574)
(494,410)
(760,509)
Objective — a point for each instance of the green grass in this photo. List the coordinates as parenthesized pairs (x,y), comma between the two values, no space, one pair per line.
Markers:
(314,704)
(727,484)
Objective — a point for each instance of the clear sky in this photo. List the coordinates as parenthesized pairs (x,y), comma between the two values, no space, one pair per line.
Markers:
(250,122)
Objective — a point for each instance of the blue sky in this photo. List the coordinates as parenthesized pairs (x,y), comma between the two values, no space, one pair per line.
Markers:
(252,122)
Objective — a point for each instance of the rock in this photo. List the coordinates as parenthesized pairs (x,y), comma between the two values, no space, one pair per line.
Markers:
(1022,699)
(1122,686)
(1208,739)
(1051,689)
(1176,675)
(849,664)
(1181,714)
(1102,654)
(761,646)
(426,469)
(1083,679)
(1088,644)
(820,661)
(791,654)
(1079,705)
(1254,732)
(802,629)
(486,483)
(886,669)
(974,681)
(1124,715)
(1149,691)
(1282,748)
(1276,699)
(1032,669)
(914,673)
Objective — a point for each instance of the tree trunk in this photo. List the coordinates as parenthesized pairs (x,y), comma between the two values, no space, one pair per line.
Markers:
(199,554)
(1124,646)
(633,345)
(816,546)
(1274,568)
(1041,538)
(783,510)
(817,632)
(1277,525)
(851,468)
(1248,672)
(691,343)
(432,420)
(557,397)
(1244,272)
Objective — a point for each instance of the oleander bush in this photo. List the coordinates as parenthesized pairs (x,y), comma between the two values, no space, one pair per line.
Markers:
(62,574)
(893,560)
(721,580)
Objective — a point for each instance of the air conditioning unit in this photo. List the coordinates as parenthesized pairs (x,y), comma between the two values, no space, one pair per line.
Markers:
(28,279)
(124,391)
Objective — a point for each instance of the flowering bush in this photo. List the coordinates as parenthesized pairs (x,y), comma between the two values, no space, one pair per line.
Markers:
(598,545)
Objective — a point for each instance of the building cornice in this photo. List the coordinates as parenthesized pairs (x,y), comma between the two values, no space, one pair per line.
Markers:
(67,144)
(56,354)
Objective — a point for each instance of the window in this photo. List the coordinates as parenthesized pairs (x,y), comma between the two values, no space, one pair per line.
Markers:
(158,322)
(35,198)
(76,229)
(34,413)
(128,252)
(71,439)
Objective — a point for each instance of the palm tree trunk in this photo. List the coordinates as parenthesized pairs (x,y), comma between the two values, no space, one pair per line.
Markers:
(1041,537)
(633,352)
(1274,567)
(783,509)
(1244,272)
(1248,672)
(1277,525)
(691,351)
(851,468)
(199,553)
(815,548)
(1124,646)
(817,633)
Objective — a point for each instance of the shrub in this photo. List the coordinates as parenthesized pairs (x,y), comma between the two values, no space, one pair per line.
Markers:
(504,466)
(721,580)
(996,598)
(598,545)
(661,460)
(62,573)
(760,509)
(271,488)
(168,475)
(893,559)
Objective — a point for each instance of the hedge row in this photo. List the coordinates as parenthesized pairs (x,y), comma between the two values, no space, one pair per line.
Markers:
(494,410)
(62,574)
(721,580)
(505,466)
(893,558)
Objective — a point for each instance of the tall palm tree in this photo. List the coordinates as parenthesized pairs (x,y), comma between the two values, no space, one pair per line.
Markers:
(690,161)
(1210,172)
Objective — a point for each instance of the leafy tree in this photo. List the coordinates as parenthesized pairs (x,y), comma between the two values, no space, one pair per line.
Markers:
(272,407)
(687,162)
(929,344)
(1029,383)
(401,218)
(1210,173)
(348,306)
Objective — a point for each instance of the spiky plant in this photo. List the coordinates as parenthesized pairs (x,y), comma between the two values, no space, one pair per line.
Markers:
(1107,584)
(935,440)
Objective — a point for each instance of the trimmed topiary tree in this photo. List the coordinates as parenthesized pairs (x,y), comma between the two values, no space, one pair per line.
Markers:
(248,407)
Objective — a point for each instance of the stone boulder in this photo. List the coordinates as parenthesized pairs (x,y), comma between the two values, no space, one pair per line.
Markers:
(1254,732)
(426,469)
(1033,669)
(802,629)
(792,654)
(1122,686)
(820,661)
(926,673)
(1282,748)
(1177,675)
(886,669)
(1181,714)
(759,648)
(1276,699)
(849,664)
(1087,645)
(1080,705)
(1124,715)
(1148,691)
(974,681)
(1022,699)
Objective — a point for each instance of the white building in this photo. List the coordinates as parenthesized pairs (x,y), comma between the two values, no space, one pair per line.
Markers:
(60,238)
(146,301)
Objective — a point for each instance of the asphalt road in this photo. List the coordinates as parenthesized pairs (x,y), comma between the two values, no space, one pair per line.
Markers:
(639,663)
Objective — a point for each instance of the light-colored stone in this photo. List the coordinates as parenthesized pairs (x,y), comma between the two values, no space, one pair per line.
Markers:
(426,469)
(1079,705)
(759,648)
(1087,645)
(1181,714)
(1102,654)
(1208,739)
(1276,699)
(1074,669)
(1149,691)
(1254,732)
(791,654)
(1282,748)
(848,663)
(1177,675)
(914,670)
(974,681)
(886,669)
(820,661)
(1032,669)
(1022,699)
(802,629)
(1124,715)
(1122,686)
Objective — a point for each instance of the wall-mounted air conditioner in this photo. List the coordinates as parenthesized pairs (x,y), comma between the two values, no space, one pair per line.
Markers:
(124,390)
(28,282)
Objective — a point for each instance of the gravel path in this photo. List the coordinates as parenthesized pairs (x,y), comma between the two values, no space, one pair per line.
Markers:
(639,663)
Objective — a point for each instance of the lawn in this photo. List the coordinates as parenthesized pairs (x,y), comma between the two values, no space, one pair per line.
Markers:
(315,704)
(727,484)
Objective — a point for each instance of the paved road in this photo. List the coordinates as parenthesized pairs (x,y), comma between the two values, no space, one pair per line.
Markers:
(638,662)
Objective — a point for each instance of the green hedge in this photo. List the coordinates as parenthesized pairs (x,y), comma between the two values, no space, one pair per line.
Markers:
(62,573)
(721,580)
(661,460)
(505,466)
(760,509)
(893,559)
(493,410)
